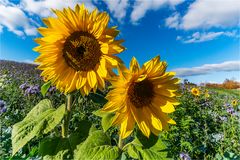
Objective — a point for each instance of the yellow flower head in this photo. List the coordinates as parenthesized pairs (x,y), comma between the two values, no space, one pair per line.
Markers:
(234,103)
(195,91)
(77,50)
(144,95)
(206,94)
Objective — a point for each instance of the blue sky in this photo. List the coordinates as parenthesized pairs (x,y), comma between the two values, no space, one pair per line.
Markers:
(198,42)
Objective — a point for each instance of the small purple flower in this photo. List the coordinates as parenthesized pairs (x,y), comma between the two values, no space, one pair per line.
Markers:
(227,105)
(52,89)
(3,107)
(184,156)
(32,90)
(230,110)
(24,86)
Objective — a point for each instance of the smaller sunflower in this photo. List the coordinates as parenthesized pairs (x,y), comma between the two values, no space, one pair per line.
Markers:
(206,94)
(143,95)
(234,102)
(195,91)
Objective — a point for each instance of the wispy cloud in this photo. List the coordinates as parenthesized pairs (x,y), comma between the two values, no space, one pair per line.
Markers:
(19,18)
(198,37)
(15,20)
(209,68)
(206,14)
(43,7)
(141,7)
(28,61)
(118,8)
(173,21)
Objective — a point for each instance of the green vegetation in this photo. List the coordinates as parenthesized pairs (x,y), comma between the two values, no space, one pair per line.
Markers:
(207,127)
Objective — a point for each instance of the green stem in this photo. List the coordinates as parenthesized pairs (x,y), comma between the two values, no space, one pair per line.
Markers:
(120,143)
(67,116)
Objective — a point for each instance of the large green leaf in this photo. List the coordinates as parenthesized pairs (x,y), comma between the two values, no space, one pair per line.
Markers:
(58,148)
(107,119)
(98,98)
(40,120)
(45,87)
(96,147)
(146,142)
(158,151)
(132,151)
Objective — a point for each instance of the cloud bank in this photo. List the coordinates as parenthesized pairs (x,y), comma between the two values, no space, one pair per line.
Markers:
(209,68)
(141,7)
(205,14)
(21,19)
(198,37)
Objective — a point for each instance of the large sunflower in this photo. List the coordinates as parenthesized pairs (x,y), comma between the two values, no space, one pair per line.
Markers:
(77,49)
(144,95)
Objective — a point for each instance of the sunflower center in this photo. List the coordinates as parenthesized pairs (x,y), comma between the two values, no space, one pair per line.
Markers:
(81,51)
(141,93)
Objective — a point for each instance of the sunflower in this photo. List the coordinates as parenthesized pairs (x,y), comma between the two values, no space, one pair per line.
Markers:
(195,91)
(206,94)
(77,50)
(234,103)
(143,95)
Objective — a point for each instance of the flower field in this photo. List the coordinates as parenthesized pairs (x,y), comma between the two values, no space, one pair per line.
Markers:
(207,123)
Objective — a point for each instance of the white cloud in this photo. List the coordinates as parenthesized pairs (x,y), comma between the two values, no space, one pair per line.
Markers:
(17,17)
(212,13)
(1,28)
(28,61)
(118,8)
(226,66)
(142,6)
(173,21)
(43,7)
(206,36)
(206,14)
(15,20)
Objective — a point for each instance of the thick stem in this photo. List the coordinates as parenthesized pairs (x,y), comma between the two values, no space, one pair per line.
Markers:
(67,116)
(120,143)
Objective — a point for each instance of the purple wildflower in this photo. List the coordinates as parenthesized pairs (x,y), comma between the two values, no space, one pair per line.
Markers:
(3,107)
(184,156)
(32,90)
(227,105)
(230,110)
(52,89)
(24,86)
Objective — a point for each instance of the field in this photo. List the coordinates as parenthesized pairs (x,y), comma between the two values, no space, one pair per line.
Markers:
(207,126)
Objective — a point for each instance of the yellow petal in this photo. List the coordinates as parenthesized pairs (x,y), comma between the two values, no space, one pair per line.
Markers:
(141,122)
(168,108)
(92,79)
(134,66)
(127,126)
(102,71)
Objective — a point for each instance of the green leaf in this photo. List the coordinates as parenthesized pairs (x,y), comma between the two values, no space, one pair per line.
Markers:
(123,156)
(96,147)
(40,120)
(45,87)
(133,152)
(98,98)
(80,134)
(137,151)
(146,142)
(63,148)
(107,119)
(55,149)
